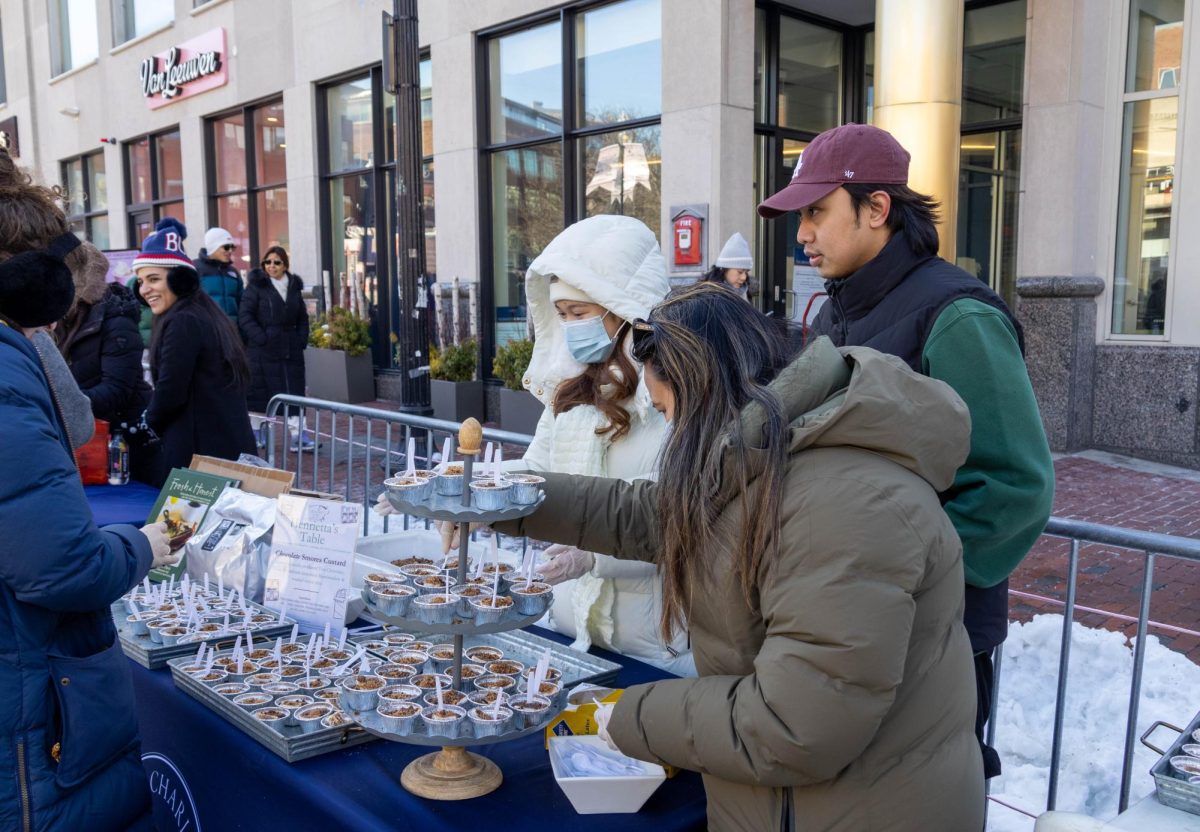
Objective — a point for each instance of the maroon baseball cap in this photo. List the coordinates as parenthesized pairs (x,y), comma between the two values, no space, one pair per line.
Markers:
(850,153)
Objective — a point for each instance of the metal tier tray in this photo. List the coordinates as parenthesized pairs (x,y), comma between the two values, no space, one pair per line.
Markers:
(511,620)
(152,655)
(290,743)
(439,507)
(522,646)
(1173,789)
(374,724)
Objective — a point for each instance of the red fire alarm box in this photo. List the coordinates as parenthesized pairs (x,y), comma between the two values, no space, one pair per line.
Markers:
(689,236)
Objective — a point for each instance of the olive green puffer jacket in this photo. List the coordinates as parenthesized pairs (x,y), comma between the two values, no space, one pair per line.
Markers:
(844,689)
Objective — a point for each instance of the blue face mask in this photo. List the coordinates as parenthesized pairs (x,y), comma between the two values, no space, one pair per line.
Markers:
(588,341)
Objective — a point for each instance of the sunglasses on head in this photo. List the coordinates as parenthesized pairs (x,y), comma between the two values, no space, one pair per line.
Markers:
(642,332)
(272,262)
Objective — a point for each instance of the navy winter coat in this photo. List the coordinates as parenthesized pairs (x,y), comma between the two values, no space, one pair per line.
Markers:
(197,407)
(64,682)
(275,332)
(221,282)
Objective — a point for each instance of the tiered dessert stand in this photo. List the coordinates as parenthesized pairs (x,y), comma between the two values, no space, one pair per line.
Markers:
(453,773)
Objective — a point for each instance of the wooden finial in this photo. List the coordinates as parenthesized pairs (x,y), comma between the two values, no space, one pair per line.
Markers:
(470,436)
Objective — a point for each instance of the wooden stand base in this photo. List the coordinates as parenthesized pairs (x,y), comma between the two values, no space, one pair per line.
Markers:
(451,774)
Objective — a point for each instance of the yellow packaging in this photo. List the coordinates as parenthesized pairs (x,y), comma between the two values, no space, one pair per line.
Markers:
(580,719)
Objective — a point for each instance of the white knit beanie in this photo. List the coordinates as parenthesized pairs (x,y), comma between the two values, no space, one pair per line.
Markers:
(735,254)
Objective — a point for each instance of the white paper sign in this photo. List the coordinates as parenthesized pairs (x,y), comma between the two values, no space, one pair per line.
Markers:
(312,559)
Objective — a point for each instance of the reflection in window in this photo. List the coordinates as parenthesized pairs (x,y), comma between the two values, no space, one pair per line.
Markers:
(527,213)
(351,143)
(993,62)
(1149,141)
(989,173)
(352,227)
(617,65)
(622,174)
(75,37)
(154,171)
(525,84)
(810,76)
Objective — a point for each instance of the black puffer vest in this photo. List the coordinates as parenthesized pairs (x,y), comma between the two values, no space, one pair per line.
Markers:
(891,305)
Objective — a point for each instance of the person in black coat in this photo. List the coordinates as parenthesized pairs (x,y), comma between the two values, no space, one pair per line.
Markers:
(197,363)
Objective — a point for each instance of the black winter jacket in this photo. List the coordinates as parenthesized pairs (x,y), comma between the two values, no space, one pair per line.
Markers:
(275,332)
(197,407)
(104,353)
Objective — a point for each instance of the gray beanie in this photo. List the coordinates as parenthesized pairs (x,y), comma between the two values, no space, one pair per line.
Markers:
(735,254)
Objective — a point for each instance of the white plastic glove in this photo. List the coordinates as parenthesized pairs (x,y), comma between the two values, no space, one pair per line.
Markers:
(604,713)
(160,549)
(566,563)
(382,507)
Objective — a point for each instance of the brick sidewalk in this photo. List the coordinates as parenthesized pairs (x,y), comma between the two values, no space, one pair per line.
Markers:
(1110,578)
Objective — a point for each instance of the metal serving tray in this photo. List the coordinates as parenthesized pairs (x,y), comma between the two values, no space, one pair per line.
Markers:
(1173,788)
(526,648)
(290,743)
(153,656)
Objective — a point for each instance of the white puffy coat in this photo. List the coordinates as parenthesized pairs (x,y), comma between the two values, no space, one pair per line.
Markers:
(616,261)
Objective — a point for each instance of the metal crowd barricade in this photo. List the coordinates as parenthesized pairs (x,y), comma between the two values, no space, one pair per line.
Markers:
(357,447)
(344,431)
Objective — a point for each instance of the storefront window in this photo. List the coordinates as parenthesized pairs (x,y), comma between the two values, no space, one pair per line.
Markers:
(248,179)
(989,187)
(154,182)
(810,76)
(525,84)
(134,18)
(351,139)
(993,62)
(74,36)
(555,158)
(87,197)
(352,225)
(618,74)
(622,174)
(1149,144)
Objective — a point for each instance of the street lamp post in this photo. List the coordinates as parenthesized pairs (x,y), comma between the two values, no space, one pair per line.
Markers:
(410,300)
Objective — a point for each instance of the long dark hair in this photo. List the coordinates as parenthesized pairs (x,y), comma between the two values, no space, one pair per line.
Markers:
(233,356)
(718,354)
(617,376)
(913,213)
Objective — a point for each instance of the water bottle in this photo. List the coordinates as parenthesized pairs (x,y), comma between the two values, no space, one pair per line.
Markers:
(118,459)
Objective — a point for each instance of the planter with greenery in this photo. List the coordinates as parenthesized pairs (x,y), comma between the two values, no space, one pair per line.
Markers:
(453,390)
(519,410)
(337,365)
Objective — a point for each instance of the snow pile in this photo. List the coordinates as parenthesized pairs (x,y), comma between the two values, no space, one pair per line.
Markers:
(1100,675)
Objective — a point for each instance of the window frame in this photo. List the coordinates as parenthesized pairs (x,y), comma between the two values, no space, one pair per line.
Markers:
(58,14)
(1112,218)
(86,217)
(123,9)
(253,187)
(154,206)
(569,140)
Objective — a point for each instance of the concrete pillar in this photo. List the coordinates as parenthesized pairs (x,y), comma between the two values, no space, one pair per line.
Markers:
(918,95)
(708,115)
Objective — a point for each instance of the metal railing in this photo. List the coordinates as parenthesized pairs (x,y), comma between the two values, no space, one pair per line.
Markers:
(357,434)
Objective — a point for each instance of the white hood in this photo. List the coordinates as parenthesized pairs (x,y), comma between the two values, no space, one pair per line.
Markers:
(613,259)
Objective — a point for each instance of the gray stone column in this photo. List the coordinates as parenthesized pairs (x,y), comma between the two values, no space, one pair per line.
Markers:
(1059,317)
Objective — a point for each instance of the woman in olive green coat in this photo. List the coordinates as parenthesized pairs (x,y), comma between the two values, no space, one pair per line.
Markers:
(797,527)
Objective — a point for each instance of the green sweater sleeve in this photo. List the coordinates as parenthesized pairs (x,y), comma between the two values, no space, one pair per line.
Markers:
(1002,495)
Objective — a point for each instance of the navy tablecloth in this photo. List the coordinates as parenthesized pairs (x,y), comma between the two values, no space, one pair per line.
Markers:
(197,762)
(130,503)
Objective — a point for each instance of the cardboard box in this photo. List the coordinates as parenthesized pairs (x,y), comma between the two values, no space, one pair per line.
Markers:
(265,482)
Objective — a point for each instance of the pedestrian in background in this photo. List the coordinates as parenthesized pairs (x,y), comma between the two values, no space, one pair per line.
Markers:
(875,241)
(274,324)
(71,755)
(197,363)
(218,277)
(732,266)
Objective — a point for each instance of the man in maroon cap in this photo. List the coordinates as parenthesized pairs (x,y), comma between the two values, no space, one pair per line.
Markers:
(875,242)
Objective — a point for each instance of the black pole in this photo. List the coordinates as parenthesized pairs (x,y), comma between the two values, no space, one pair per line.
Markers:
(411,306)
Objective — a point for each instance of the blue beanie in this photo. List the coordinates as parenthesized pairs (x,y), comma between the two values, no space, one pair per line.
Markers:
(165,246)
